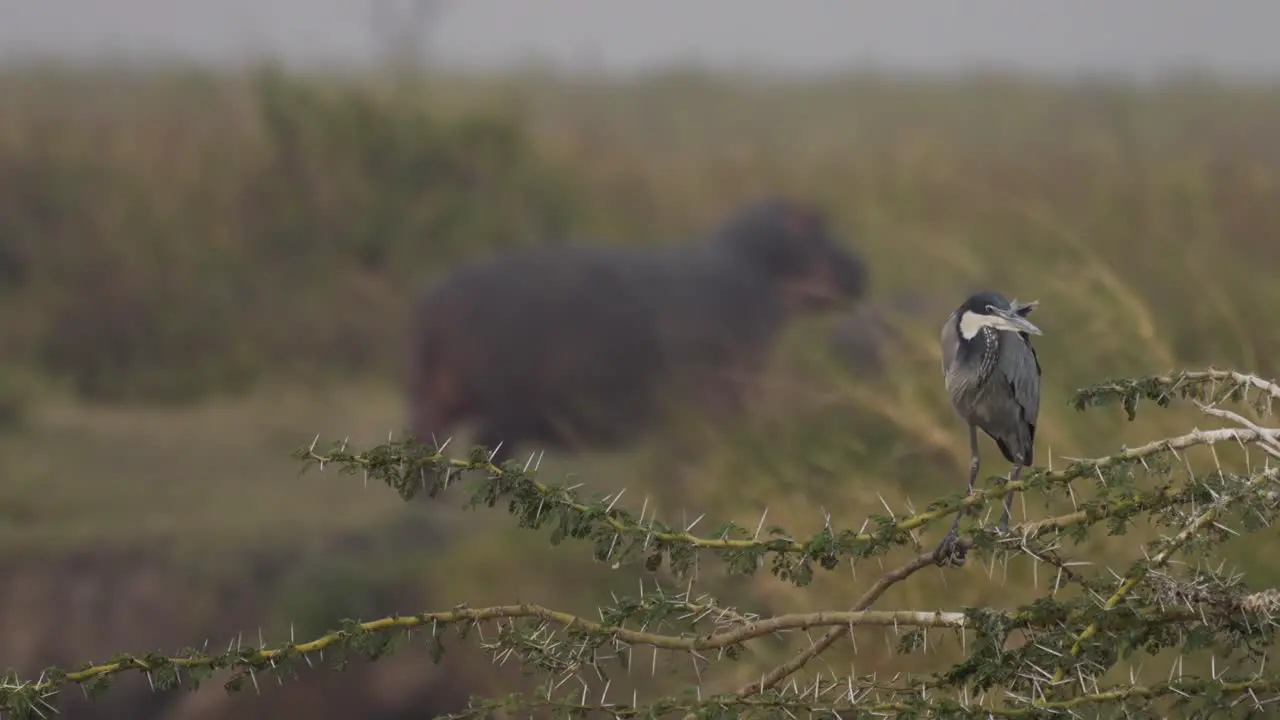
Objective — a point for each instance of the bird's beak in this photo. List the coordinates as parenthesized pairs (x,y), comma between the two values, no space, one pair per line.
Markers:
(1013,321)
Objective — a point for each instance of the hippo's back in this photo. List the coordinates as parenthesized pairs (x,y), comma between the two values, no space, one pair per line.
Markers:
(550,345)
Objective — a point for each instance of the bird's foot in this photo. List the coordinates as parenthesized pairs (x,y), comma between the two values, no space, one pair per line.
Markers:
(951,551)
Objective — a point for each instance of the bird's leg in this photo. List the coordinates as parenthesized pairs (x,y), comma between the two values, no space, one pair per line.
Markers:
(1008,500)
(973,461)
(945,547)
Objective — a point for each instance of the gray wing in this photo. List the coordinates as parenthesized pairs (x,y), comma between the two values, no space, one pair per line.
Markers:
(1021,367)
(950,342)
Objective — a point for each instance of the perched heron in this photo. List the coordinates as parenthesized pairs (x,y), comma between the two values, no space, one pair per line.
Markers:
(992,376)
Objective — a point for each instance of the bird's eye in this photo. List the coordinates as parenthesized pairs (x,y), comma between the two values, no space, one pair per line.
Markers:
(991,309)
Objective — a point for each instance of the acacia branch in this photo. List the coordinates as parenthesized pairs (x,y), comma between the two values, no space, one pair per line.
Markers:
(839,621)
(1209,385)
(1205,608)
(798,661)
(619,521)
(251,659)
(857,699)
(1263,437)
(1159,499)
(1162,498)
(1202,521)
(1214,375)
(1268,440)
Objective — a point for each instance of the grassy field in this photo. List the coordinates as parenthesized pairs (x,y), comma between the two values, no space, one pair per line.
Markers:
(1145,222)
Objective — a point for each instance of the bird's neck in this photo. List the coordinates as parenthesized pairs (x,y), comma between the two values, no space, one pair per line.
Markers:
(971,323)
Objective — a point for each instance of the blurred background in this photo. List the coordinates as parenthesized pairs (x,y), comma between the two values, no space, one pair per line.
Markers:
(214,217)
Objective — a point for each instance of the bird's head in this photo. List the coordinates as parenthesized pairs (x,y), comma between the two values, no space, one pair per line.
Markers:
(993,310)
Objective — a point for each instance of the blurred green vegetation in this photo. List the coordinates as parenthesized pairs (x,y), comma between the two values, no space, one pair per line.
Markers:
(166,244)
(184,237)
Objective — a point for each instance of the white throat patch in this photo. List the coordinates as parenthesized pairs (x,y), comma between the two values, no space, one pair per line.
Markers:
(971,323)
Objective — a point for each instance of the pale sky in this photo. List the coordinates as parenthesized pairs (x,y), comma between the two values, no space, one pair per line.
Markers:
(1135,37)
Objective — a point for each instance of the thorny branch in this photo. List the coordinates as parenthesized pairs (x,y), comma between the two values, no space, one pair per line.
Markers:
(616,531)
(1171,546)
(789,668)
(165,670)
(1070,638)
(843,700)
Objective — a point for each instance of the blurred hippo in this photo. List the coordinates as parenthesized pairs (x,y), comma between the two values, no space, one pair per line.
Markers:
(573,347)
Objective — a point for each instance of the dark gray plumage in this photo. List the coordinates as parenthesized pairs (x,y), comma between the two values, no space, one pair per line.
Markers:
(992,376)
